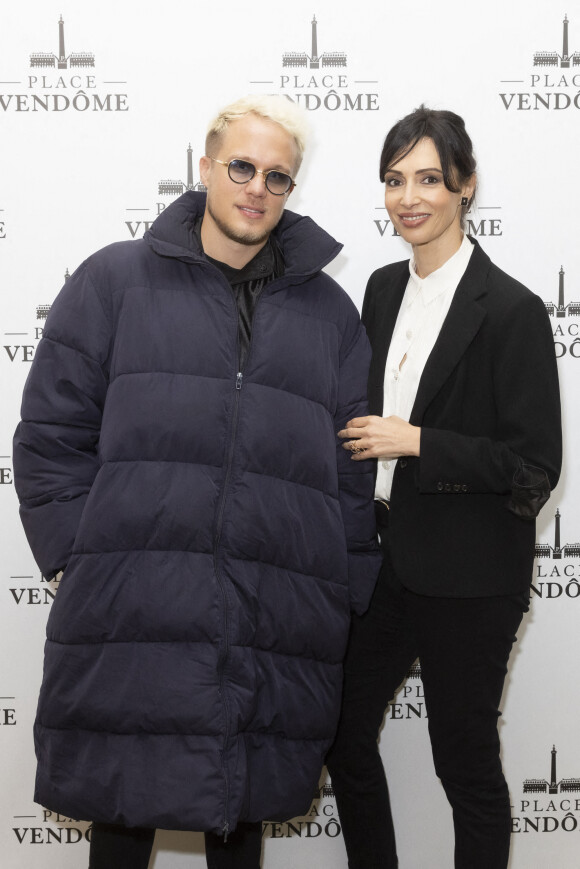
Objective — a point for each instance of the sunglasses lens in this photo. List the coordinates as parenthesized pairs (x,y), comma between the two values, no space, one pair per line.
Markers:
(240,171)
(278,182)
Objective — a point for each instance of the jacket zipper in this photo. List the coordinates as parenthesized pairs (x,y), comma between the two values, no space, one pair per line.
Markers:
(225,653)
(219,524)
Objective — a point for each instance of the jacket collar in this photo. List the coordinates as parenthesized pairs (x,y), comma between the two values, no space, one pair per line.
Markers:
(306,247)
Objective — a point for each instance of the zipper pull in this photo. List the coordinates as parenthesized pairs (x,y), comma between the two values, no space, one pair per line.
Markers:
(226,830)
(239,378)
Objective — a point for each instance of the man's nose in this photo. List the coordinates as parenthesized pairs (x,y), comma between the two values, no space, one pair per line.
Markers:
(257,185)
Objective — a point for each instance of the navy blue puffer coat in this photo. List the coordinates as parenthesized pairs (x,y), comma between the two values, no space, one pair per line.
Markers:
(214,534)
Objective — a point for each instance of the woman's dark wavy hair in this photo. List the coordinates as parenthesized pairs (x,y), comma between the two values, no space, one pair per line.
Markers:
(447,130)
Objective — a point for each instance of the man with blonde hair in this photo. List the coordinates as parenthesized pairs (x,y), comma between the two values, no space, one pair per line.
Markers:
(178,459)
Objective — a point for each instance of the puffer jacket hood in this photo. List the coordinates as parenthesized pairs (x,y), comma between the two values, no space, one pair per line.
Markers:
(214,533)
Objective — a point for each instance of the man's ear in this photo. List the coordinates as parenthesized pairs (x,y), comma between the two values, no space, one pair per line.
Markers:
(204,170)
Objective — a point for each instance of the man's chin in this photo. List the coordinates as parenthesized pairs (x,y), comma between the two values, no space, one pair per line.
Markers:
(247,237)
(242,234)
(251,238)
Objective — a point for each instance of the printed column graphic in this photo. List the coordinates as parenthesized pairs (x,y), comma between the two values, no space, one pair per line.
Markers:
(62,64)
(314,60)
(569,550)
(76,59)
(552,58)
(562,309)
(541,786)
(176,188)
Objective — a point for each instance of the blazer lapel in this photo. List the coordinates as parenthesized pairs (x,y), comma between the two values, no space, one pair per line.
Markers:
(380,331)
(458,331)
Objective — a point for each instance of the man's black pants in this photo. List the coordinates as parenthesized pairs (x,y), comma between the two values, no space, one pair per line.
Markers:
(464,646)
(117,847)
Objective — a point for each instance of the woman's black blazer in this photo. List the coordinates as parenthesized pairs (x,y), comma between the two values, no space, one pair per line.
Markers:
(489,409)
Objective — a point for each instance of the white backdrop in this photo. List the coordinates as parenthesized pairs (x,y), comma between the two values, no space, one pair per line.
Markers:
(84,150)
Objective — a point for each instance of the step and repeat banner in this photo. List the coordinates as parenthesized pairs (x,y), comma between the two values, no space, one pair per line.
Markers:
(103,112)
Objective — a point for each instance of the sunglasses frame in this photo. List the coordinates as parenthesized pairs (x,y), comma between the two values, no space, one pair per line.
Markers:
(256,172)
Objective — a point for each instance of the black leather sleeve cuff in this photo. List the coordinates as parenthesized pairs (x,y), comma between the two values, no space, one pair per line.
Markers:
(530,491)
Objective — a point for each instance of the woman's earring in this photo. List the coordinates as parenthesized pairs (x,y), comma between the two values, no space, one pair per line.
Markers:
(464,201)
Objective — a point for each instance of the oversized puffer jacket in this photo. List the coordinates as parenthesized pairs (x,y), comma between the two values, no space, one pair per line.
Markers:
(214,534)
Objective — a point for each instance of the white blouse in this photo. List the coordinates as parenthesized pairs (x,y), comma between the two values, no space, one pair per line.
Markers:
(423,310)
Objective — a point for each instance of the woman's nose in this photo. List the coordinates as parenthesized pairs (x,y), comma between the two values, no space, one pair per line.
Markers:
(410,195)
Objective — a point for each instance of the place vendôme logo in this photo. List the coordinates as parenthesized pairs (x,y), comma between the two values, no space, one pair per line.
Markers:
(6,477)
(408,703)
(565,315)
(487,223)
(320,820)
(318,80)
(32,590)
(557,569)
(139,219)
(548,805)
(62,82)
(8,716)
(20,346)
(44,827)
(26,589)
(554,83)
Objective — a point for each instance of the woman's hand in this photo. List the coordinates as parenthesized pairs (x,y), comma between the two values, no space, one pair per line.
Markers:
(369,437)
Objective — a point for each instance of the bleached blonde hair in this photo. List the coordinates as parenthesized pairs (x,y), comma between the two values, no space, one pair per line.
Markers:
(274,108)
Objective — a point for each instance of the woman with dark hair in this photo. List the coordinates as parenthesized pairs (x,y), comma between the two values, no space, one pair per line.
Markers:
(466,431)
